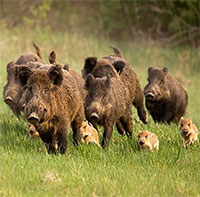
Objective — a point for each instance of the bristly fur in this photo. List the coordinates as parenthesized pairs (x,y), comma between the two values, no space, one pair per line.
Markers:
(166,100)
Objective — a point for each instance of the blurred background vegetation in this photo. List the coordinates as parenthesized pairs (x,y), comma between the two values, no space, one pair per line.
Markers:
(170,22)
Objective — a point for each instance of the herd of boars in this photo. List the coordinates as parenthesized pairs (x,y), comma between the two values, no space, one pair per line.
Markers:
(54,98)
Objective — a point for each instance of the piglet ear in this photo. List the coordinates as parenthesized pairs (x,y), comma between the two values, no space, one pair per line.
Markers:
(52,57)
(24,73)
(55,73)
(90,63)
(165,70)
(9,66)
(88,81)
(119,65)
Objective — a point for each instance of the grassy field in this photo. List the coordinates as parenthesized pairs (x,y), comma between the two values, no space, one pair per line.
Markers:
(27,170)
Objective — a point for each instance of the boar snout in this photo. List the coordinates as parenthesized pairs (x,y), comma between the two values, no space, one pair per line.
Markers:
(150,96)
(94,116)
(8,100)
(33,118)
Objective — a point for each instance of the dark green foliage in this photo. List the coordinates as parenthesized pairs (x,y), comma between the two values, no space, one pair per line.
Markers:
(175,22)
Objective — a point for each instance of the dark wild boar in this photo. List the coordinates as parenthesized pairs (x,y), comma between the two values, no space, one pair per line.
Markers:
(13,90)
(53,103)
(121,68)
(165,98)
(101,68)
(107,102)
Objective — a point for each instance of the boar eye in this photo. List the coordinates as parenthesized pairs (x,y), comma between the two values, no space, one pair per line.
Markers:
(30,89)
(189,124)
(160,83)
(46,90)
(181,125)
(103,97)
(146,136)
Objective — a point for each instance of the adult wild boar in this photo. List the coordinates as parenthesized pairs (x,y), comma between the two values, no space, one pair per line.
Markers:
(12,90)
(53,103)
(100,68)
(165,98)
(107,102)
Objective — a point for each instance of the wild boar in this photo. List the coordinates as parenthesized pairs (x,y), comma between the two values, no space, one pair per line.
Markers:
(13,90)
(121,68)
(107,102)
(166,100)
(101,68)
(53,102)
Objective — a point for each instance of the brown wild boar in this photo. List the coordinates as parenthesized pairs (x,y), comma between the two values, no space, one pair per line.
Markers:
(100,68)
(12,90)
(53,103)
(107,102)
(165,98)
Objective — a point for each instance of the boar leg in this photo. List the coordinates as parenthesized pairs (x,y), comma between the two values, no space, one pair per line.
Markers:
(142,114)
(139,104)
(47,139)
(62,142)
(107,135)
(120,128)
(126,121)
(76,124)
(168,117)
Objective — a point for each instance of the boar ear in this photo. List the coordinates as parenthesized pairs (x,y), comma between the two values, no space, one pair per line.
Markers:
(24,73)
(108,81)
(55,74)
(150,69)
(90,63)
(165,70)
(119,65)
(66,67)
(52,57)
(9,66)
(88,81)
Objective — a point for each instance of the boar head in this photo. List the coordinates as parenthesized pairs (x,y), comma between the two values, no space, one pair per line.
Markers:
(157,87)
(39,96)
(98,100)
(102,67)
(12,89)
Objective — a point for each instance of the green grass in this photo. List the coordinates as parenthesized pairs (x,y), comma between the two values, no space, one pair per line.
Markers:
(27,170)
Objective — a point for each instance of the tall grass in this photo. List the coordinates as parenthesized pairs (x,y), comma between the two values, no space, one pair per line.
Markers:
(27,170)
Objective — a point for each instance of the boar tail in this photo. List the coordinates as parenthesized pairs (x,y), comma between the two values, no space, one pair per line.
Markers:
(117,51)
(38,52)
